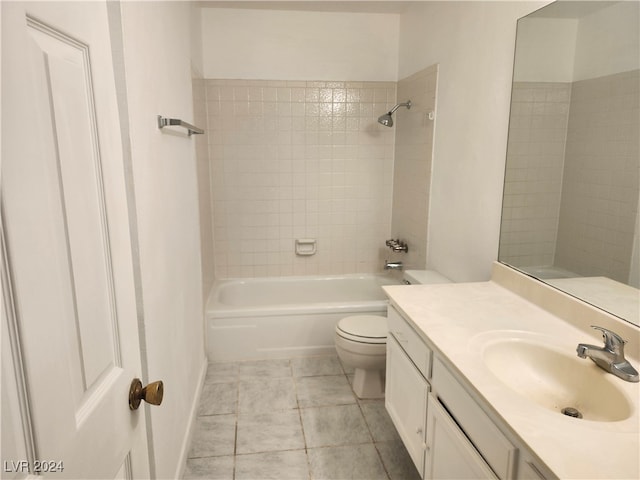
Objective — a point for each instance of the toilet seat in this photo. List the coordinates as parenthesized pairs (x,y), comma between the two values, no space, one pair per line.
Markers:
(363,329)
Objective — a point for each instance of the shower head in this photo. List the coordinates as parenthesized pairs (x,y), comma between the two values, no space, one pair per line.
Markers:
(386,119)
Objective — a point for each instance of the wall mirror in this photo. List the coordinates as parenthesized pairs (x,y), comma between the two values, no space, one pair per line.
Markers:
(571,194)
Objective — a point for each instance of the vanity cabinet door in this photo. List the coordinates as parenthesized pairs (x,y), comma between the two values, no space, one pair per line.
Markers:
(406,401)
(449,453)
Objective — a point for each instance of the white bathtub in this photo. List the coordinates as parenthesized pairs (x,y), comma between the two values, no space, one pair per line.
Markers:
(286,316)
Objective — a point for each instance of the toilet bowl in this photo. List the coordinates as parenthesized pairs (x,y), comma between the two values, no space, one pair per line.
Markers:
(361,343)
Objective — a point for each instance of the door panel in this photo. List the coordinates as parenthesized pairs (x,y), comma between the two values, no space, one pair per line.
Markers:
(66,227)
(64,65)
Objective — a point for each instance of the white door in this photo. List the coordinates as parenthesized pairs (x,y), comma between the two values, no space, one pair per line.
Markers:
(68,246)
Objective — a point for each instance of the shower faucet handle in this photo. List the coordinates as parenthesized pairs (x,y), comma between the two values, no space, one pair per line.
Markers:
(397,245)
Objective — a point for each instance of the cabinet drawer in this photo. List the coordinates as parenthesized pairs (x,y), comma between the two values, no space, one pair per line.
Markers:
(494,447)
(410,342)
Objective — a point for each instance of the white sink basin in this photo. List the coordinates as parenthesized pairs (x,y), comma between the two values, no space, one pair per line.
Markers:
(554,377)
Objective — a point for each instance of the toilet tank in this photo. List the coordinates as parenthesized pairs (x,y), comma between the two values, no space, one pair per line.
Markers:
(417,277)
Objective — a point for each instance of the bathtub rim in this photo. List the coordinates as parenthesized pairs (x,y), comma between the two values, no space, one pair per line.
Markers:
(215,310)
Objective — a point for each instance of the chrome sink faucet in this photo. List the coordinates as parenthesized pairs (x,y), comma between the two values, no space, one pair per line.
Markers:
(611,356)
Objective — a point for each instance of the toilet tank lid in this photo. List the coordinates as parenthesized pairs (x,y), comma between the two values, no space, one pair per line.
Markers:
(416,277)
(365,326)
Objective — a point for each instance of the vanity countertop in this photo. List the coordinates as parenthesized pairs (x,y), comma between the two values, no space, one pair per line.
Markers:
(453,317)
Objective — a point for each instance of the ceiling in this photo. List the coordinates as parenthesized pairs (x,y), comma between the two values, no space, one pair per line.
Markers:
(314,6)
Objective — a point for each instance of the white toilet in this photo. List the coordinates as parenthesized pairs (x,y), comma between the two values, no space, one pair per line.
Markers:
(361,342)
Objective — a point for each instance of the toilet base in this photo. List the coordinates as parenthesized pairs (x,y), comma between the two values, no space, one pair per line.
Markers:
(368,384)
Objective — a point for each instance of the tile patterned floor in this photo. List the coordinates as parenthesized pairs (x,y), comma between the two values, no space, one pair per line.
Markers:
(292,419)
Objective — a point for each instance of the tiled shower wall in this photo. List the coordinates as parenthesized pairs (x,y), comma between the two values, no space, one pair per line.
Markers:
(299,160)
(601,177)
(412,170)
(533,178)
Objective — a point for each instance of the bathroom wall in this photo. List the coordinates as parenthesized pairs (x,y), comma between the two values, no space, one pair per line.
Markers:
(533,179)
(299,45)
(412,166)
(295,160)
(547,57)
(156,35)
(296,152)
(607,41)
(473,43)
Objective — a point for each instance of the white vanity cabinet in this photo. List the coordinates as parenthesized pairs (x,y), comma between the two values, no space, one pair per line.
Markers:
(406,401)
(406,385)
(446,431)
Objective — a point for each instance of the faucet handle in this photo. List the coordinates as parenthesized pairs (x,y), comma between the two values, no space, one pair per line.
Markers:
(612,340)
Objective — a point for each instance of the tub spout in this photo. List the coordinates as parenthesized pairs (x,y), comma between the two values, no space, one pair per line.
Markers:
(392,265)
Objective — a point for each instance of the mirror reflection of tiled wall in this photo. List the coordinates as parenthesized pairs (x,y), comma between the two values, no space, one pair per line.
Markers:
(580,139)
(533,179)
(601,177)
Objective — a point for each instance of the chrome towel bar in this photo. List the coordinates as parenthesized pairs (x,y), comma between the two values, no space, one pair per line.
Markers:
(167,122)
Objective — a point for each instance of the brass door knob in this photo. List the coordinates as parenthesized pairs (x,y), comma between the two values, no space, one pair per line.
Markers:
(152,393)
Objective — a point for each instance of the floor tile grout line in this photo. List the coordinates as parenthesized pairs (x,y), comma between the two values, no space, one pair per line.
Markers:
(270,451)
(384,467)
(320,447)
(235,439)
(340,445)
(373,440)
(304,436)
(364,417)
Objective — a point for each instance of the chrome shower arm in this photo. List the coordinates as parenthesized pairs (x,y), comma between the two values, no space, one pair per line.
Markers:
(405,104)
(386,119)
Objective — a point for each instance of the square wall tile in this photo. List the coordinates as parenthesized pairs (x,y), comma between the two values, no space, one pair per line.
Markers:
(254,127)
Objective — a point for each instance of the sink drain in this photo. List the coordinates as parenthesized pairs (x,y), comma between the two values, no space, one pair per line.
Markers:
(571,412)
